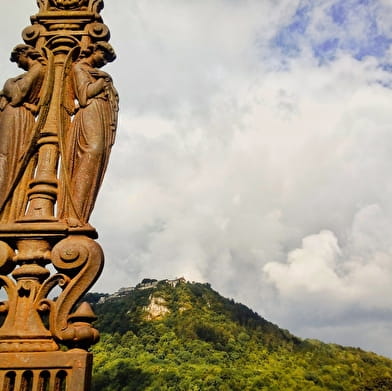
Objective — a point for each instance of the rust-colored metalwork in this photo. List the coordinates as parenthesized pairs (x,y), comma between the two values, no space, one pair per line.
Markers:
(57,126)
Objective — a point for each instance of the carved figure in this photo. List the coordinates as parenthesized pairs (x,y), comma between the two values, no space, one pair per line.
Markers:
(91,134)
(19,101)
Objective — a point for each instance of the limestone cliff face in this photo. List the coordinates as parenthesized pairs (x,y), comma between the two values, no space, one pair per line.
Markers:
(157,308)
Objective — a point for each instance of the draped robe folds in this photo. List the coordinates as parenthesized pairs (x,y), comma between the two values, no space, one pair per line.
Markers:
(16,127)
(88,144)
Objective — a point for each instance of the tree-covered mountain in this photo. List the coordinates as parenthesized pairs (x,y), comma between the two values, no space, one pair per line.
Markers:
(185,336)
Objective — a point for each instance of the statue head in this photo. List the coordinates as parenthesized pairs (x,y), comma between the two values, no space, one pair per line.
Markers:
(21,53)
(107,50)
(101,53)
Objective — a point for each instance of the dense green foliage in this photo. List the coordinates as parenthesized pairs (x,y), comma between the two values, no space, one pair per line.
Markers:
(207,342)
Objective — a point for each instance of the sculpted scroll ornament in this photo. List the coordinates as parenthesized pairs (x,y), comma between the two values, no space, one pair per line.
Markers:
(79,261)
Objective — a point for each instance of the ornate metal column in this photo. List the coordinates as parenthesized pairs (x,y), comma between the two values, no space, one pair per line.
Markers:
(57,126)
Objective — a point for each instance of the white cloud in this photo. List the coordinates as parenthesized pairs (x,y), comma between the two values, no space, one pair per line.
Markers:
(273,185)
(325,288)
(311,269)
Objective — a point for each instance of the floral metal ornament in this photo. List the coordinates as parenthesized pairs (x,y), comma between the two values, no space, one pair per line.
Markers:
(58,122)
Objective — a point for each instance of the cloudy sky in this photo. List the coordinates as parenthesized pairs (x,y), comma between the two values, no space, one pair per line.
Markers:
(254,152)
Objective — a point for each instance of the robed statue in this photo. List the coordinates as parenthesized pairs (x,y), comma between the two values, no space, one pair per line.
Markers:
(91,134)
(19,101)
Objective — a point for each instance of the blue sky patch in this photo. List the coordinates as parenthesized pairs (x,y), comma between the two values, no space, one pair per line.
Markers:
(349,26)
(289,36)
(339,13)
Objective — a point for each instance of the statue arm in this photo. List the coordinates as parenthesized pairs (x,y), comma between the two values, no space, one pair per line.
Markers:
(95,88)
(19,87)
(10,91)
(85,85)
(3,101)
(31,107)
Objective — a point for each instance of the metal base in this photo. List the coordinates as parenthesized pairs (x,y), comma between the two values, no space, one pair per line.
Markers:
(51,371)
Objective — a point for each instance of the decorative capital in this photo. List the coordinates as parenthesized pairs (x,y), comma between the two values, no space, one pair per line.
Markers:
(69,4)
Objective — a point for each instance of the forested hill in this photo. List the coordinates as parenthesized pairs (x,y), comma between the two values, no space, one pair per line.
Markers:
(185,336)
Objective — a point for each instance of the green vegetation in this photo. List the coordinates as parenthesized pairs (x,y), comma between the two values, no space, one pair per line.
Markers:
(207,342)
